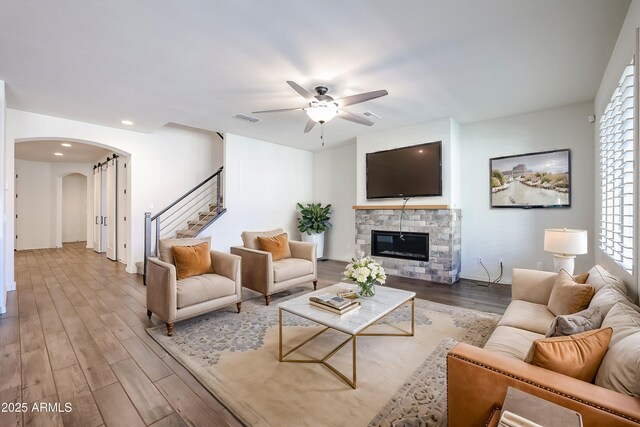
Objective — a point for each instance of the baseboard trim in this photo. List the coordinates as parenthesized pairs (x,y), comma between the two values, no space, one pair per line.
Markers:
(131,269)
(11,286)
(481,279)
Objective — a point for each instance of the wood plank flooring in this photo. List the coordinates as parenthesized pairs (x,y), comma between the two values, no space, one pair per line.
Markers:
(74,331)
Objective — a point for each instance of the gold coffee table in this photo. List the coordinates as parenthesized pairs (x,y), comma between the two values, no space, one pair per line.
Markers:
(353,324)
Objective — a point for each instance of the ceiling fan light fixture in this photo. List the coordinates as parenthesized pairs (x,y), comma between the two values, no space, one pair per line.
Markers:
(322,111)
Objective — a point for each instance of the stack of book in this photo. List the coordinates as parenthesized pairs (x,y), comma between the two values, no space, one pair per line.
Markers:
(334,303)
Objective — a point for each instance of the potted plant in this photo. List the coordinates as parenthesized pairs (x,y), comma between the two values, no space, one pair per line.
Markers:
(313,221)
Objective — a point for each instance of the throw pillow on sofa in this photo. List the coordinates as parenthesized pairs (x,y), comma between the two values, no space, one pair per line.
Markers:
(568,296)
(191,260)
(620,368)
(624,319)
(578,356)
(570,324)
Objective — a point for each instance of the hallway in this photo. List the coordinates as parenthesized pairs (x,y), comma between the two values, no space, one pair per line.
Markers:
(74,331)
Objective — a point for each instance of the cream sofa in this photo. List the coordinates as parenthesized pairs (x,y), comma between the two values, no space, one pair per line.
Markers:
(478,378)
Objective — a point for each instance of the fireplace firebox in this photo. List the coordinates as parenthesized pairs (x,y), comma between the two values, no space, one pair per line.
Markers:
(393,244)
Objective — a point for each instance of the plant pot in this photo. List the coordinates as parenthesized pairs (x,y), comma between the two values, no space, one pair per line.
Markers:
(318,239)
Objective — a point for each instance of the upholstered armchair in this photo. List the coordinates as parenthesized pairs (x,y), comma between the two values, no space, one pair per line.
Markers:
(173,300)
(262,274)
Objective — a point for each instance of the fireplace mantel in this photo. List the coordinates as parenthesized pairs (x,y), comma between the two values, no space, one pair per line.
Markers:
(378,207)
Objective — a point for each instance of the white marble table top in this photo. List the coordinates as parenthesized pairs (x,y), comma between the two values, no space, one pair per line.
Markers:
(372,308)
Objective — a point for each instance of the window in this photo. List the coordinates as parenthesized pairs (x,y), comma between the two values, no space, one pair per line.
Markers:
(616,173)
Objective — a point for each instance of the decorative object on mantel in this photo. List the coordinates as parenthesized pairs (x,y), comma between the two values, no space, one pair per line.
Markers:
(313,222)
(565,243)
(365,272)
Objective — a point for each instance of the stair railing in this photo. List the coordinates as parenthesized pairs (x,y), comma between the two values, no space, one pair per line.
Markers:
(203,200)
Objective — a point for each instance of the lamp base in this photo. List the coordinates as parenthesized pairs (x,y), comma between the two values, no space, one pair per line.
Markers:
(564,262)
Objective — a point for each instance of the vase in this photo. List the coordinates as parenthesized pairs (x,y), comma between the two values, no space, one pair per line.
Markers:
(318,239)
(367,289)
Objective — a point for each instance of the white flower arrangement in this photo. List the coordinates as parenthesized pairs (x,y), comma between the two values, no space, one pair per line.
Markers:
(365,270)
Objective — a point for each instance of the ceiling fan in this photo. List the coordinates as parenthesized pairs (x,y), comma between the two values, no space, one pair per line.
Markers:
(323,107)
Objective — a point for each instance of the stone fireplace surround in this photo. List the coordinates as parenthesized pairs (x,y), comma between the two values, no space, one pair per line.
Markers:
(443,226)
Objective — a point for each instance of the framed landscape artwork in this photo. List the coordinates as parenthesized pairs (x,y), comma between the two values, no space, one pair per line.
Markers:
(532,180)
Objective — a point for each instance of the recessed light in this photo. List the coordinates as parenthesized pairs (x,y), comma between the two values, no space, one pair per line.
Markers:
(58,154)
(65,144)
(127,122)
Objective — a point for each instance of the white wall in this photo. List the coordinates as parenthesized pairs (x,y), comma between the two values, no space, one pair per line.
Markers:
(625,49)
(262,183)
(39,205)
(74,208)
(163,165)
(444,130)
(517,234)
(334,181)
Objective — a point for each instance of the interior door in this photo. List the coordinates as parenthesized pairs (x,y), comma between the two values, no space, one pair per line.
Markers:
(111,217)
(122,209)
(97,209)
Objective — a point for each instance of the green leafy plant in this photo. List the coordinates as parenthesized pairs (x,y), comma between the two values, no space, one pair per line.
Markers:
(313,218)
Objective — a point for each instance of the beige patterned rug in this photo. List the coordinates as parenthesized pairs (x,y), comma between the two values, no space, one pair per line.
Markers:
(401,380)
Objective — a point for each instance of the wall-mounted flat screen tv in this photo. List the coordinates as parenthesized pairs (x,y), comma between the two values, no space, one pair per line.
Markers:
(532,180)
(414,171)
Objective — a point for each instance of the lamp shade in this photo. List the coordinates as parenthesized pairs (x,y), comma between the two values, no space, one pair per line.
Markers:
(322,112)
(565,241)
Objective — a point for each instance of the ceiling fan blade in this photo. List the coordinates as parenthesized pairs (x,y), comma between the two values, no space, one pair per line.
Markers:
(276,111)
(361,97)
(309,126)
(354,118)
(302,91)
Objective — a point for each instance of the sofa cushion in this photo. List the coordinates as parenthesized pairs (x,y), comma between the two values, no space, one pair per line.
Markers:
(620,369)
(599,277)
(205,287)
(624,319)
(250,238)
(570,324)
(606,297)
(291,268)
(527,315)
(164,248)
(578,356)
(191,260)
(512,342)
(278,246)
(568,296)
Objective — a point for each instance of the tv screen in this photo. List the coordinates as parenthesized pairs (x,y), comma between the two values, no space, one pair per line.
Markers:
(414,171)
(532,180)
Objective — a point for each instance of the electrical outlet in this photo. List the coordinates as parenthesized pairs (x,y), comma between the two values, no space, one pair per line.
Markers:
(479,260)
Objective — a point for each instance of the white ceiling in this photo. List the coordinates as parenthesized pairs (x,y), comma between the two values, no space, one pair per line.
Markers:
(43,151)
(198,63)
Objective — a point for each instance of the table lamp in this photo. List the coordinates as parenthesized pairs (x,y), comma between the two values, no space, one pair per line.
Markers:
(565,243)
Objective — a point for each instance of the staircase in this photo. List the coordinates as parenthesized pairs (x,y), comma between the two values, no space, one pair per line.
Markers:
(185,218)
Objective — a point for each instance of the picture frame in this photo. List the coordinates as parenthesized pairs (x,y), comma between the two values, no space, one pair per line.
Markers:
(532,180)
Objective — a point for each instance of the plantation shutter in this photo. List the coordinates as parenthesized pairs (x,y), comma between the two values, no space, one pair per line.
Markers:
(617,173)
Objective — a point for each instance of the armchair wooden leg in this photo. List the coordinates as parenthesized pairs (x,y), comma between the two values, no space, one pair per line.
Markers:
(149,314)
(170,329)
(238,306)
(315,285)
(267,299)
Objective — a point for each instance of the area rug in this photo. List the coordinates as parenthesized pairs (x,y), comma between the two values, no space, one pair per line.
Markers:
(401,381)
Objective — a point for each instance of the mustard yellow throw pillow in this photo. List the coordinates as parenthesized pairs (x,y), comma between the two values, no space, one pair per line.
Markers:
(277,245)
(568,296)
(191,260)
(578,356)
